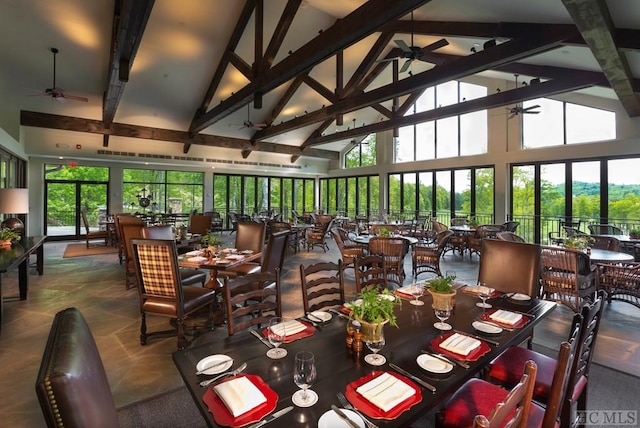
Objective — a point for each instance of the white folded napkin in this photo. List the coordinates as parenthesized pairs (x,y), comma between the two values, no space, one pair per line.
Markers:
(473,289)
(239,395)
(196,259)
(288,327)
(193,253)
(385,391)
(460,344)
(505,317)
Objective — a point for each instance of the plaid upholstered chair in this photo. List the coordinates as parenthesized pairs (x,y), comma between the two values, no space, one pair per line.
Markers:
(161,290)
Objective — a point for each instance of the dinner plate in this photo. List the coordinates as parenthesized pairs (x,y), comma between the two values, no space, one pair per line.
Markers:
(213,359)
(520,297)
(388,297)
(330,419)
(320,315)
(486,328)
(246,252)
(347,306)
(433,364)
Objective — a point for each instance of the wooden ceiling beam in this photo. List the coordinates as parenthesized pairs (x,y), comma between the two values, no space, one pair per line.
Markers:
(328,94)
(368,62)
(76,124)
(596,26)
(130,21)
(286,19)
(242,66)
(354,27)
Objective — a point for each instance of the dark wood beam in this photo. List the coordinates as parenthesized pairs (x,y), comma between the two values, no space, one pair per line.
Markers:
(545,89)
(320,88)
(105,140)
(345,32)
(282,102)
(286,19)
(368,62)
(258,36)
(316,133)
(242,66)
(339,82)
(130,20)
(76,124)
(465,66)
(596,26)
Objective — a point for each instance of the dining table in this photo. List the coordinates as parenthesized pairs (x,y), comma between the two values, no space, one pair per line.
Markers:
(340,369)
(227,259)
(607,256)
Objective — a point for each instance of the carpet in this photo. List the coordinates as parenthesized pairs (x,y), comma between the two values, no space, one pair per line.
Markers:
(81,250)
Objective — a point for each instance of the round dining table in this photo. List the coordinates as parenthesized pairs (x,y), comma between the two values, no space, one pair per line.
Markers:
(606,256)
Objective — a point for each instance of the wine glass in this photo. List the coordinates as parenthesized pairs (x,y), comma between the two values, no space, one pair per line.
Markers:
(277,333)
(417,290)
(375,341)
(304,375)
(484,293)
(442,313)
(450,274)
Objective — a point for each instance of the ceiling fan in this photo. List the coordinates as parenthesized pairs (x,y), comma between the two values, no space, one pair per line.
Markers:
(58,93)
(413,53)
(518,109)
(249,124)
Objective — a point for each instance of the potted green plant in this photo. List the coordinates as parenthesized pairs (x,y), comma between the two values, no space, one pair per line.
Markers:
(384,232)
(211,243)
(375,310)
(580,242)
(442,291)
(7,236)
(634,233)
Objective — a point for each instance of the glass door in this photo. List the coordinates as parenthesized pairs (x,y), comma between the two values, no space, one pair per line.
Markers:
(64,202)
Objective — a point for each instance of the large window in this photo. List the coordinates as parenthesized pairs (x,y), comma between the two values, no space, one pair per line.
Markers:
(166,191)
(353,195)
(444,138)
(362,154)
(559,123)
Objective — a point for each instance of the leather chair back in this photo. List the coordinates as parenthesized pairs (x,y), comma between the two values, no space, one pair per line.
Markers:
(250,236)
(200,223)
(274,254)
(157,232)
(510,267)
(72,385)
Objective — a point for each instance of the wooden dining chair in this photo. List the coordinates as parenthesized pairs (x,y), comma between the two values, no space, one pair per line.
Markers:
(480,403)
(250,301)
(567,276)
(200,224)
(371,272)
(322,285)
(129,232)
(91,235)
(161,291)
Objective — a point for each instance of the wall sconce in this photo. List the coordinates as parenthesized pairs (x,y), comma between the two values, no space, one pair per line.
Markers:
(14,201)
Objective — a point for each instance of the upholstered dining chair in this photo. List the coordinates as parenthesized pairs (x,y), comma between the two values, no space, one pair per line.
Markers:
(426,258)
(91,235)
(120,220)
(200,224)
(567,276)
(161,290)
(129,232)
(272,258)
(393,251)
(73,389)
(479,403)
(322,285)
(250,300)
(510,267)
(188,276)
(371,272)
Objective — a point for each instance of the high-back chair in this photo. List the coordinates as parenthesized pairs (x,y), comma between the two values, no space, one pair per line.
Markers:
(161,290)
(393,251)
(272,258)
(349,250)
(371,272)
(511,226)
(120,220)
(250,236)
(567,276)
(322,285)
(249,300)
(479,403)
(96,234)
(318,235)
(426,258)
(200,224)
(510,267)
(129,232)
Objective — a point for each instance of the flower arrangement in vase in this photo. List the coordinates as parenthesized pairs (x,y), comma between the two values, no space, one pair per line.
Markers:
(7,236)
(375,310)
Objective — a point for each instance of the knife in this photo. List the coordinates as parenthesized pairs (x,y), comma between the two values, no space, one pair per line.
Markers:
(449,360)
(272,417)
(338,313)
(218,364)
(262,339)
(344,417)
(312,316)
(415,378)
(491,341)
(480,320)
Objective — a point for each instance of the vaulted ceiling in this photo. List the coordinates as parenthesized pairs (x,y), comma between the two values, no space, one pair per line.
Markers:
(306,76)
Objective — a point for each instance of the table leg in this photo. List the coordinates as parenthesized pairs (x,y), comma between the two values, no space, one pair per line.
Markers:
(40,260)
(23,278)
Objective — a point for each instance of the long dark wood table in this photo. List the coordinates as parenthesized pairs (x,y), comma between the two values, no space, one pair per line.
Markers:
(18,256)
(337,366)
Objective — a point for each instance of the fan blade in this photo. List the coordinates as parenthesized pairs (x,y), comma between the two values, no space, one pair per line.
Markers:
(530,108)
(530,112)
(402,45)
(432,59)
(74,98)
(435,45)
(405,66)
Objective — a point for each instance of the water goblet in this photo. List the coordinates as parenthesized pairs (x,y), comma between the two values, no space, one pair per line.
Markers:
(484,293)
(276,334)
(304,375)
(450,274)
(417,290)
(442,314)
(375,342)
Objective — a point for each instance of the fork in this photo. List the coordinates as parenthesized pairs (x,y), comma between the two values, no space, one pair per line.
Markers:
(221,375)
(348,406)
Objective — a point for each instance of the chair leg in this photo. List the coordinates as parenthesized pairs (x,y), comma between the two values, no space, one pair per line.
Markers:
(143,330)
(180,331)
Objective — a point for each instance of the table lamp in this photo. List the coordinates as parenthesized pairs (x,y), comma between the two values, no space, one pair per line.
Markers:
(14,201)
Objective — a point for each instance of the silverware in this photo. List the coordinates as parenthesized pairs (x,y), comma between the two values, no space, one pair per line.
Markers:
(220,376)
(414,377)
(345,403)
(313,323)
(262,339)
(491,341)
(344,417)
(523,313)
(213,366)
(338,313)
(313,317)
(462,364)
(271,417)
(495,325)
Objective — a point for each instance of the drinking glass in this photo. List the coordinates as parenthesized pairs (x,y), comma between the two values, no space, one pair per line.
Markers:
(450,274)
(375,342)
(417,290)
(277,334)
(442,314)
(484,293)
(304,375)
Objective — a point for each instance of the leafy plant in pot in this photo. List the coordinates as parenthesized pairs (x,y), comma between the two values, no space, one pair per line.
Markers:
(634,233)
(375,310)
(211,242)
(442,292)
(7,236)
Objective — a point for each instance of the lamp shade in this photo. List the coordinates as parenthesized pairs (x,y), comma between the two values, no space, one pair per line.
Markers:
(14,201)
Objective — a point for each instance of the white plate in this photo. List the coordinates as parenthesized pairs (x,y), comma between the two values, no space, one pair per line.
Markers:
(486,328)
(521,297)
(320,315)
(433,364)
(388,297)
(356,302)
(247,252)
(213,359)
(330,419)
